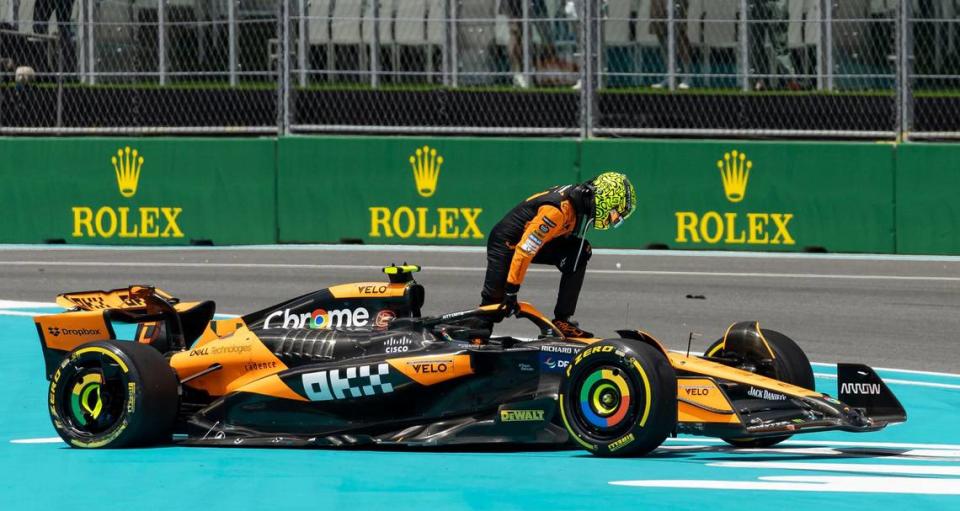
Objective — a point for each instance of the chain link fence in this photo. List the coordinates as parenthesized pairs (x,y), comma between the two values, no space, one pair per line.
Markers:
(883,69)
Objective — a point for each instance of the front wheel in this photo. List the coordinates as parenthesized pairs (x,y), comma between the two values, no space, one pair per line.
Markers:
(113,394)
(619,398)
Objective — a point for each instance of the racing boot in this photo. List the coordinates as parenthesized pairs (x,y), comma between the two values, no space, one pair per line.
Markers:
(571,328)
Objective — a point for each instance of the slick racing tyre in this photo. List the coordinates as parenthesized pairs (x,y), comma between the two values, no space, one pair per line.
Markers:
(113,394)
(790,364)
(619,398)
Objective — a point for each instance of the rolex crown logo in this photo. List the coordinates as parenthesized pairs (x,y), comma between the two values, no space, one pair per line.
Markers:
(735,172)
(127,165)
(426,170)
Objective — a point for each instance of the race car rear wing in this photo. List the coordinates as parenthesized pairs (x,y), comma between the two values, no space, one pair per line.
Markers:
(133,297)
(162,320)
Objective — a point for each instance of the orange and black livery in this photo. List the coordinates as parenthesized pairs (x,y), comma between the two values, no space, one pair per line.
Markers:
(358,364)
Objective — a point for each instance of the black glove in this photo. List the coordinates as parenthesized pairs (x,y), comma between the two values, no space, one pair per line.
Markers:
(509,306)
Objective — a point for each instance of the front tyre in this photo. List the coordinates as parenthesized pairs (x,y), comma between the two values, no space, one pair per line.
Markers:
(112,394)
(790,364)
(619,398)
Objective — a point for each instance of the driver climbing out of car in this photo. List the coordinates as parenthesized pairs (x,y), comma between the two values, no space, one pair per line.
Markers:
(550,228)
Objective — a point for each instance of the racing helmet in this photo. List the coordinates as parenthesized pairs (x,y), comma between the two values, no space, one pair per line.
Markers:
(614,200)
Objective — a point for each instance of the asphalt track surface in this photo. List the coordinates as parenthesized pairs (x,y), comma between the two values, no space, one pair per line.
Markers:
(887,312)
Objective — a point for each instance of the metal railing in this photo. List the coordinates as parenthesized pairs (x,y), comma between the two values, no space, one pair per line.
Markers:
(880,69)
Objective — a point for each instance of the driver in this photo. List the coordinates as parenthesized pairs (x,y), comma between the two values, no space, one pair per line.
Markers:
(549,228)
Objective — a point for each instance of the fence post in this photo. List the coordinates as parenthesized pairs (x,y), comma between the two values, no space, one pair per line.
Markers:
(162,40)
(454,13)
(525,33)
(232,40)
(375,47)
(828,41)
(91,44)
(744,46)
(587,94)
(671,46)
(283,67)
(904,106)
(302,41)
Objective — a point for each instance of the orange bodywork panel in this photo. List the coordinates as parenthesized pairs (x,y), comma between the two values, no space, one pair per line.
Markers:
(219,329)
(242,356)
(66,331)
(700,400)
(433,369)
(699,366)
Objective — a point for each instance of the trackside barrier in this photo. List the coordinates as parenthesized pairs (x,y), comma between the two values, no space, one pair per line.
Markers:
(398,190)
(726,195)
(927,198)
(123,191)
(759,196)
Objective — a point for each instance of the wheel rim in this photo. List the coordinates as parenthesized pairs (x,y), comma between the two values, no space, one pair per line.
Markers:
(93,400)
(605,401)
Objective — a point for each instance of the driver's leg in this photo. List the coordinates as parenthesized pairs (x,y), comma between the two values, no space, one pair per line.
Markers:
(562,253)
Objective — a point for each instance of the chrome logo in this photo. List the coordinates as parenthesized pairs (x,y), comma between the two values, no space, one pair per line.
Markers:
(319,319)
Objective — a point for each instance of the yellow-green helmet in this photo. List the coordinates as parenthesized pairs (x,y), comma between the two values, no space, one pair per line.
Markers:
(612,192)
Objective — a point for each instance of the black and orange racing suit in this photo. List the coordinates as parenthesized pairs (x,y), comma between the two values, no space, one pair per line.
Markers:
(540,230)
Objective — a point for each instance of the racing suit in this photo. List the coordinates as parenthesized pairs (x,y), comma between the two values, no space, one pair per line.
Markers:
(541,230)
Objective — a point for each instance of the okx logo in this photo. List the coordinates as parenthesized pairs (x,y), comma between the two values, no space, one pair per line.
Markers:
(350,382)
(109,221)
(425,222)
(734,227)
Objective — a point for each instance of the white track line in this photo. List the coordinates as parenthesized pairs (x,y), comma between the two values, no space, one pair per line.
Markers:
(49,440)
(475,269)
(838,443)
(480,249)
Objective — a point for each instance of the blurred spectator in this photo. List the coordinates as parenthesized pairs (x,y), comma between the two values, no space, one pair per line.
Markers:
(658,11)
(768,22)
(537,11)
(41,21)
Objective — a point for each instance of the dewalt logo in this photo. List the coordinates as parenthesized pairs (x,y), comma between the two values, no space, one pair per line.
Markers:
(425,222)
(125,221)
(734,227)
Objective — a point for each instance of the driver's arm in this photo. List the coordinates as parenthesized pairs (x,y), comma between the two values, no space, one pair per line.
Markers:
(549,223)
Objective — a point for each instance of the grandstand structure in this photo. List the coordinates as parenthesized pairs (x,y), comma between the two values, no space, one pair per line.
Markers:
(877,69)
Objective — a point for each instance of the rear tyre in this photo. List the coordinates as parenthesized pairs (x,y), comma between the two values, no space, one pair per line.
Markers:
(790,364)
(619,398)
(112,394)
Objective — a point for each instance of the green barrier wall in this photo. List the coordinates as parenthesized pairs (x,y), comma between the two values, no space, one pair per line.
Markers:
(773,196)
(443,191)
(927,191)
(182,191)
(842,197)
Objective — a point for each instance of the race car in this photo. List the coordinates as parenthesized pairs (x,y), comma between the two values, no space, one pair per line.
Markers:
(358,365)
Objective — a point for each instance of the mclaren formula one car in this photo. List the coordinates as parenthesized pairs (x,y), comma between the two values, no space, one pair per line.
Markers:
(357,365)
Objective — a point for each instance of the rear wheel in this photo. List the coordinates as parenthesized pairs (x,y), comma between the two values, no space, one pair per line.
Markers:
(618,398)
(114,394)
(790,364)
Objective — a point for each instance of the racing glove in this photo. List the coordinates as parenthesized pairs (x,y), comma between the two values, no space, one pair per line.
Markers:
(509,306)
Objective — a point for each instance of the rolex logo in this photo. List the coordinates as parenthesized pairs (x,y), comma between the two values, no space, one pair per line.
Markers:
(735,172)
(426,170)
(127,165)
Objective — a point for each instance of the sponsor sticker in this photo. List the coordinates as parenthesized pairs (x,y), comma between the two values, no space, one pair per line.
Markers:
(521,415)
(349,382)
(766,394)
(318,319)
(384,318)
